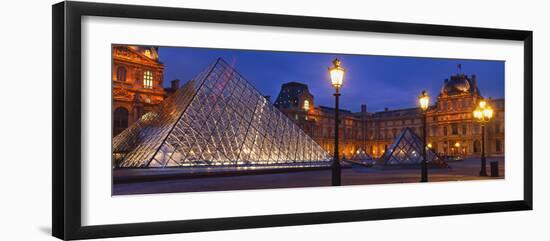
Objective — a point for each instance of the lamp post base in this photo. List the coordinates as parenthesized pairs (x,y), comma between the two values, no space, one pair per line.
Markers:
(336,176)
(483,171)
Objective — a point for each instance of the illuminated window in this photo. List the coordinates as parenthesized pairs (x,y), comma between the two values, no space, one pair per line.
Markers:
(148,79)
(306,105)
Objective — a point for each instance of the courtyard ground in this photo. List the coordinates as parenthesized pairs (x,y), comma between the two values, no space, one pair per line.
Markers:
(189,182)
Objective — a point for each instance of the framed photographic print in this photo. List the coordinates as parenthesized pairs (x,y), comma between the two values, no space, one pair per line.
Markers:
(216,120)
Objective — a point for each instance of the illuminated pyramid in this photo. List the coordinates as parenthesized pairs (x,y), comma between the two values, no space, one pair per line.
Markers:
(360,154)
(216,119)
(407,150)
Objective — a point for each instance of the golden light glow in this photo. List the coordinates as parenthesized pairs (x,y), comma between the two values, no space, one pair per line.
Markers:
(482,103)
(424,100)
(457,144)
(488,112)
(478,114)
(336,74)
(483,112)
(429,145)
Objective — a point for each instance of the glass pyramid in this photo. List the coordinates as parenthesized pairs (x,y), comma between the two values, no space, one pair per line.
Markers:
(216,119)
(407,150)
(360,154)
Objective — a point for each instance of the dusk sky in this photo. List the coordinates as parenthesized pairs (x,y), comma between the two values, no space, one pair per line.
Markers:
(378,81)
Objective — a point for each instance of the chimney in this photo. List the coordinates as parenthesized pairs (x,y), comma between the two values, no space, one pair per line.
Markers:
(386,109)
(363,108)
(175,84)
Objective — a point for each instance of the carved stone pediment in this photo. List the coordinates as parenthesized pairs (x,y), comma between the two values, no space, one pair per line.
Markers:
(125,53)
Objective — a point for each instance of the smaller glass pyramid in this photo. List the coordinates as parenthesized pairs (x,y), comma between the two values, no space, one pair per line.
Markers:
(361,155)
(407,150)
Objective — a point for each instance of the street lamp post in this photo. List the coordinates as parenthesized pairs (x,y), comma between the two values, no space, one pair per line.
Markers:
(337,77)
(424,102)
(483,114)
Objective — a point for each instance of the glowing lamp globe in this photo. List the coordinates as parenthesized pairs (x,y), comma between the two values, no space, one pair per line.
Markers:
(336,73)
(424,100)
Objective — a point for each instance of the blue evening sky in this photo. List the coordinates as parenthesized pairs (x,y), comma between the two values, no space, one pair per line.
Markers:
(378,81)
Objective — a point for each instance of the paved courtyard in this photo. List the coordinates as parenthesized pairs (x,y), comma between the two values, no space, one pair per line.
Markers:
(458,171)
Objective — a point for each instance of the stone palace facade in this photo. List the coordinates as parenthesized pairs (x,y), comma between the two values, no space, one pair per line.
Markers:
(451,128)
(137,84)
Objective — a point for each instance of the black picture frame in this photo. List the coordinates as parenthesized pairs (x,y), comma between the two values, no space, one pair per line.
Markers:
(66,47)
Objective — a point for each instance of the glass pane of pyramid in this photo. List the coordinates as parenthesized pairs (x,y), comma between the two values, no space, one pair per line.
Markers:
(407,150)
(216,119)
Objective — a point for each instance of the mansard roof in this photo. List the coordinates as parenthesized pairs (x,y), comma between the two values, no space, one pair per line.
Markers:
(398,113)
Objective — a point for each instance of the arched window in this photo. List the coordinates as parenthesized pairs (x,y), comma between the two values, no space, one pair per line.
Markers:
(498,146)
(120,120)
(497,127)
(454,129)
(477,146)
(121,74)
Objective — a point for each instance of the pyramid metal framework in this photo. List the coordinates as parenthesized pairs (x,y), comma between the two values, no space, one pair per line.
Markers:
(216,119)
(407,150)
(360,154)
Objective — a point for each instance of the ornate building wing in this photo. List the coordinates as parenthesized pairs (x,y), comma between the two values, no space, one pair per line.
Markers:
(216,119)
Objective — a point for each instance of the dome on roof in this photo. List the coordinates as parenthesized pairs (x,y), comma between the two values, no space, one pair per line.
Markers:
(458,84)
